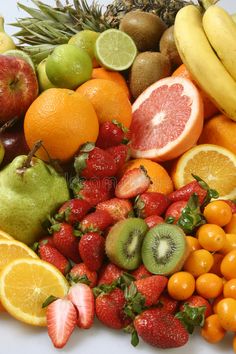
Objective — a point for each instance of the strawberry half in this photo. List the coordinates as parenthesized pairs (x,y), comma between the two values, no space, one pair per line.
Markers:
(82,297)
(119,209)
(61,318)
(133,182)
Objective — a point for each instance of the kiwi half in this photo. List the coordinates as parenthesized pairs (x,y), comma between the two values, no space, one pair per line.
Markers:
(124,242)
(164,249)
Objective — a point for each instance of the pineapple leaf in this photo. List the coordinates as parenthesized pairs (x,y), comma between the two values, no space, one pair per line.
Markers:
(33,12)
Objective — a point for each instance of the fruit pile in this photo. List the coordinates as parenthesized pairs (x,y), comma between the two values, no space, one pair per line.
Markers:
(118,171)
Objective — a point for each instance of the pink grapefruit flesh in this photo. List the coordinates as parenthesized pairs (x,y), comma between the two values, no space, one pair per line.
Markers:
(167,119)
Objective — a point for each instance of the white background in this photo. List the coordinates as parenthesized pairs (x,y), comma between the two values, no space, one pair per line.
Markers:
(18,338)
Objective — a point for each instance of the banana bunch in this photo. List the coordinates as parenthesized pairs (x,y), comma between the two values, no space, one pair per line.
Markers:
(207,46)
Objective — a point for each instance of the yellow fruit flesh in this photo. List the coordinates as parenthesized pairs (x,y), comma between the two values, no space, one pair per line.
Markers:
(26,284)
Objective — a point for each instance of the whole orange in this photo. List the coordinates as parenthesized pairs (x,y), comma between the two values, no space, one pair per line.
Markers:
(220,130)
(102,73)
(209,107)
(108,99)
(161,181)
(63,120)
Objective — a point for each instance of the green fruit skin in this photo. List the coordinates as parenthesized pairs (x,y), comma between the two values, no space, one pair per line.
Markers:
(2,152)
(43,80)
(28,198)
(68,66)
(117,238)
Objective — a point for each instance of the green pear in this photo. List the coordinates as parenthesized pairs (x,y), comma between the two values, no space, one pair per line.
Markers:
(30,191)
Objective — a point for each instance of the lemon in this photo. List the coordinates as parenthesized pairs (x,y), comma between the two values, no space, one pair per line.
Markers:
(86,40)
(25,284)
(115,50)
(12,249)
(68,66)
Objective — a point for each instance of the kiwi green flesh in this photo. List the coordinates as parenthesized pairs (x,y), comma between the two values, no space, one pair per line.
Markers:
(124,242)
(164,249)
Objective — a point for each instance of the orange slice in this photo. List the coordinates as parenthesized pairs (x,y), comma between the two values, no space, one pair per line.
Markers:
(214,164)
(25,284)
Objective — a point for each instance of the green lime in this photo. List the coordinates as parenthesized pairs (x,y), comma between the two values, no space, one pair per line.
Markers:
(68,66)
(20,54)
(115,50)
(86,40)
(44,82)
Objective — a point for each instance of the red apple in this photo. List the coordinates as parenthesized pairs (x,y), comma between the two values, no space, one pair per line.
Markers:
(18,87)
(13,142)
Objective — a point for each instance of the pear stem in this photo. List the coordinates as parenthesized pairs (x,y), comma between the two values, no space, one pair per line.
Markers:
(27,163)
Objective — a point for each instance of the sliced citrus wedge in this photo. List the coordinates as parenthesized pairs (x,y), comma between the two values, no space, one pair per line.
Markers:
(214,164)
(25,284)
(12,249)
(4,235)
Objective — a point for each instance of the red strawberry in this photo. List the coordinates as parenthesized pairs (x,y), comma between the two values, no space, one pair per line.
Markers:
(120,154)
(119,209)
(80,273)
(197,301)
(81,295)
(151,203)
(141,272)
(111,134)
(151,288)
(92,250)
(51,255)
(61,320)
(132,183)
(46,240)
(109,273)
(65,241)
(154,220)
(168,304)
(73,211)
(94,162)
(94,190)
(185,192)
(175,210)
(109,309)
(99,220)
(161,329)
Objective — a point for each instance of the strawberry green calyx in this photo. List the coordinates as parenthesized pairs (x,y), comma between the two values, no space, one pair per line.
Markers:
(192,317)
(80,161)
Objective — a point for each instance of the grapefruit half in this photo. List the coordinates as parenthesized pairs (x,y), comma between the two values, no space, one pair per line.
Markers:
(167,119)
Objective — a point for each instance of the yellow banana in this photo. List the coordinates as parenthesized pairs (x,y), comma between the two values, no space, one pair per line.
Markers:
(200,59)
(221,33)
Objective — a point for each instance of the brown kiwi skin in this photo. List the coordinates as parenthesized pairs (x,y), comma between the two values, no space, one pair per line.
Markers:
(168,48)
(147,68)
(144,28)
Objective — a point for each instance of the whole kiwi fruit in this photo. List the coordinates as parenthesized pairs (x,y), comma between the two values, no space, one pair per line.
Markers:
(144,28)
(168,47)
(147,68)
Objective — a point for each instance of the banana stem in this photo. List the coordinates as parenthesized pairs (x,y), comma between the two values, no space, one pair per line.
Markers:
(204,4)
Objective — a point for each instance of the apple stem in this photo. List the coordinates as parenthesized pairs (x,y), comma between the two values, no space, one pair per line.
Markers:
(8,124)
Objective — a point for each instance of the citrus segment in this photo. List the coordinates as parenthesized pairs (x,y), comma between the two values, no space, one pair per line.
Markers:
(214,164)
(12,249)
(26,284)
(4,235)
(209,108)
(115,50)
(108,99)
(161,181)
(63,120)
(165,116)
